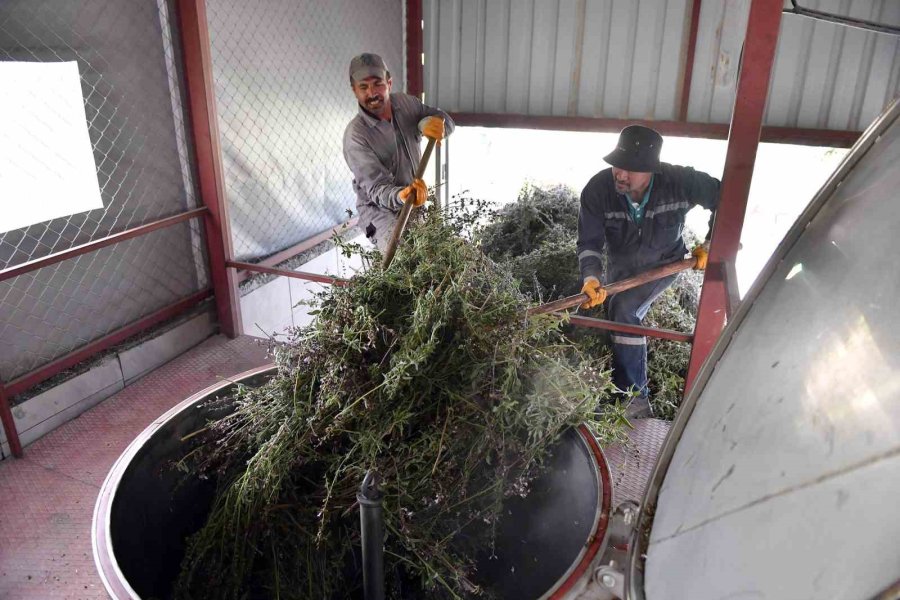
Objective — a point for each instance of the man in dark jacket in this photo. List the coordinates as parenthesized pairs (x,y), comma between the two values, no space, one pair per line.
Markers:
(381,146)
(637,210)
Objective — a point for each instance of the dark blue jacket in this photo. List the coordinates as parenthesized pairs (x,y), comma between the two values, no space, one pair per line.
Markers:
(604,219)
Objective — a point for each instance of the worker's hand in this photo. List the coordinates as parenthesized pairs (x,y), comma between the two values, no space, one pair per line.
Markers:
(433,128)
(595,292)
(701,253)
(419,191)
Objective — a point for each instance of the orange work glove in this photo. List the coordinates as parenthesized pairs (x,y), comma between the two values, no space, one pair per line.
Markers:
(595,292)
(701,253)
(433,129)
(420,192)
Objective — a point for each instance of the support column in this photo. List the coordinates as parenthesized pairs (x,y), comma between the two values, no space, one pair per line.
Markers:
(758,57)
(9,424)
(414,49)
(192,25)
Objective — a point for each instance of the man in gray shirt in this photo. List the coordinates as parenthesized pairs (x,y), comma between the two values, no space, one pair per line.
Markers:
(381,146)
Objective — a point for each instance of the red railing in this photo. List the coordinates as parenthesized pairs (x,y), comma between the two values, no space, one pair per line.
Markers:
(28,380)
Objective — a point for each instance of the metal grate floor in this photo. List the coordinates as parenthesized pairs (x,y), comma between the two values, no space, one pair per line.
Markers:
(632,464)
(47,498)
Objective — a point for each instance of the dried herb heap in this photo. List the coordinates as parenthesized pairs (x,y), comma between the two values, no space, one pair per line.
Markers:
(535,239)
(426,372)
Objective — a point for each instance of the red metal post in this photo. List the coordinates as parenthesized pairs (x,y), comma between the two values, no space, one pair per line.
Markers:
(689,61)
(414,49)
(9,424)
(743,141)
(204,126)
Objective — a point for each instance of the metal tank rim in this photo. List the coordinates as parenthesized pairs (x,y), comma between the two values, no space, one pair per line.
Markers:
(634,583)
(114,580)
(117,585)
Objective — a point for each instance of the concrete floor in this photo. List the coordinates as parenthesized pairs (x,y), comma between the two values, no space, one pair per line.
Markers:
(47,498)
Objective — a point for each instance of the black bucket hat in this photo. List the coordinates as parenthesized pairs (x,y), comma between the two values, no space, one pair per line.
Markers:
(637,150)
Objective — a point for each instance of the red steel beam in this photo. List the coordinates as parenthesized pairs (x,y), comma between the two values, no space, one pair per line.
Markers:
(29,380)
(665,334)
(414,49)
(286,273)
(9,424)
(56,257)
(743,142)
(296,249)
(204,126)
(689,61)
(717,131)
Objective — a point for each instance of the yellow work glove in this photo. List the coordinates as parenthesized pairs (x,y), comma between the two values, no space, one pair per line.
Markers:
(419,191)
(595,292)
(433,129)
(701,253)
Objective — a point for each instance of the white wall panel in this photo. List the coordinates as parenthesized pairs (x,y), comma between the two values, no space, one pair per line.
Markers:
(625,59)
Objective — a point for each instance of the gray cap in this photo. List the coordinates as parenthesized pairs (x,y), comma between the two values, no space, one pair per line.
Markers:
(367,65)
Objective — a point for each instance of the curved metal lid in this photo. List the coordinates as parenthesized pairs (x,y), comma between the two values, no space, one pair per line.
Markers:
(781,476)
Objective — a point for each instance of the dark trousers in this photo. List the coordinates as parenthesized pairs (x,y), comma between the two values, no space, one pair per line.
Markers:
(629,351)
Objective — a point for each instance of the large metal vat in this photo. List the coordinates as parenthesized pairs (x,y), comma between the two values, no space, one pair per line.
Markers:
(781,475)
(545,545)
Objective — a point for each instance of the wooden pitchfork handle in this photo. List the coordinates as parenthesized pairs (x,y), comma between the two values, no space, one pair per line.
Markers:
(402,219)
(615,288)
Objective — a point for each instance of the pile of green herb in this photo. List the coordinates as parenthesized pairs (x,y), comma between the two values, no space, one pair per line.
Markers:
(429,374)
(535,238)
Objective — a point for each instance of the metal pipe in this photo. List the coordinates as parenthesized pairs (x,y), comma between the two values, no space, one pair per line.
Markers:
(371,523)
(258,268)
(665,334)
(292,251)
(820,15)
(719,131)
(56,257)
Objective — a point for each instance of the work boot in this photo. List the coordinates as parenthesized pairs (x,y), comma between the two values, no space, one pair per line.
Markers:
(639,408)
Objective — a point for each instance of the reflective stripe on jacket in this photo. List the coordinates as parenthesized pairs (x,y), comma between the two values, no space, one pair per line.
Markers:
(604,220)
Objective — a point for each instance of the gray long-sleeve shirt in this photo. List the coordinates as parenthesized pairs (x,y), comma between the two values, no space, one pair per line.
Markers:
(383,156)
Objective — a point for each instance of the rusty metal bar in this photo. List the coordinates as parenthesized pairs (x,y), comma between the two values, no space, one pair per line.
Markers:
(259,268)
(689,61)
(719,131)
(743,142)
(616,287)
(9,424)
(56,257)
(414,49)
(29,380)
(204,127)
(666,334)
(296,249)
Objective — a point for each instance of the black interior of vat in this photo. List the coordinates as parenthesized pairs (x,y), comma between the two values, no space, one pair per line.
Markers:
(539,538)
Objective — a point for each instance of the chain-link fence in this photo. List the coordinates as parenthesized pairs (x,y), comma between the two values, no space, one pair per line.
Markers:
(283,99)
(130,77)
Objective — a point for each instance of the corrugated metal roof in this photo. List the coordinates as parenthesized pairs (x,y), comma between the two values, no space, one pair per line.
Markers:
(624,59)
